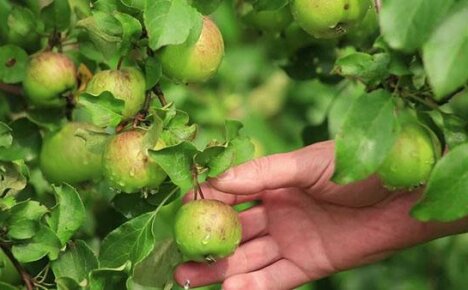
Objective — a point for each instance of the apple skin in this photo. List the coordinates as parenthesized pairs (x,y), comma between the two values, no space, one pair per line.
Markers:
(270,20)
(411,159)
(48,75)
(65,157)
(127,166)
(197,62)
(206,230)
(20,28)
(328,18)
(127,84)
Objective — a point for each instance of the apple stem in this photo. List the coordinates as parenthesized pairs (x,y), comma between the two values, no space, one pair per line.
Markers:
(378,5)
(119,64)
(159,93)
(197,191)
(28,282)
(70,105)
(15,90)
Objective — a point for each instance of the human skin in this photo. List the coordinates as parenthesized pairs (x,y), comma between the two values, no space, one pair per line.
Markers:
(306,227)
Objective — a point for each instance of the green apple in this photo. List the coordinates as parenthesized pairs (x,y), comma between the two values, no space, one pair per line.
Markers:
(367,30)
(8,272)
(127,84)
(328,18)
(19,28)
(411,158)
(206,230)
(127,166)
(270,20)
(67,157)
(196,62)
(48,76)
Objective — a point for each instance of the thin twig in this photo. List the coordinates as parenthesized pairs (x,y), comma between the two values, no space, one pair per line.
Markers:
(119,64)
(429,103)
(378,5)
(159,93)
(12,89)
(23,273)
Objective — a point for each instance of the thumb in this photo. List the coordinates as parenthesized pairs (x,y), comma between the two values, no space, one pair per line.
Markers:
(302,168)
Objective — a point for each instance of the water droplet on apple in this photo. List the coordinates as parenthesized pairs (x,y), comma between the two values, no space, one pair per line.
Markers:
(206,239)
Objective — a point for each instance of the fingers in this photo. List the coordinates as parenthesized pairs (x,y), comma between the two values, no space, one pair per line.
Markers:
(254,222)
(282,275)
(251,256)
(211,193)
(301,168)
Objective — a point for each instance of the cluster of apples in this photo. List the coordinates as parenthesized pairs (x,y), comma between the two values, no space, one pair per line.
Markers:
(122,159)
(319,18)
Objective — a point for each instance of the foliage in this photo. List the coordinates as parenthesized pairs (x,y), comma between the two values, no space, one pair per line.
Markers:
(288,88)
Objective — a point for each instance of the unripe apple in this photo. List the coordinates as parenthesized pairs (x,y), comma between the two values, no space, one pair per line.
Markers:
(411,159)
(270,20)
(195,62)
(328,18)
(127,84)
(127,166)
(20,28)
(48,75)
(206,230)
(66,157)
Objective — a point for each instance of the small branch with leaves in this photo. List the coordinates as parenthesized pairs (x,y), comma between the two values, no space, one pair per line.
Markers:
(25,276)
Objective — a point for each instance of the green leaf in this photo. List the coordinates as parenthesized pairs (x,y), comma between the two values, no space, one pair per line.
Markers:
(13,177)
(445,197)
(406,25)
(56,15)
(444,54)
(69,213)
(103,110)
(340,106)
(76,262)
(5,135)
(51,118)
(153,72)
(131,205)
(206,7)
(26,141)
(6,286)
(24,217)
(105,31)
(170,22)
(177,162)
(237,149)
(132,242)
(45,242)
(131,30)
(13,60)
(136,4)
(455,130)
(370,69)
(164,257)
(269,4)
(64,283)
(368,134)
(109,278)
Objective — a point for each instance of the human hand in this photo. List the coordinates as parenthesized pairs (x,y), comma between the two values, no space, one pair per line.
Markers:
(307,227)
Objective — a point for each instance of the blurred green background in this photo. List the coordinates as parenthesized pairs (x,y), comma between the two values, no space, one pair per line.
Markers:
(282,114)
